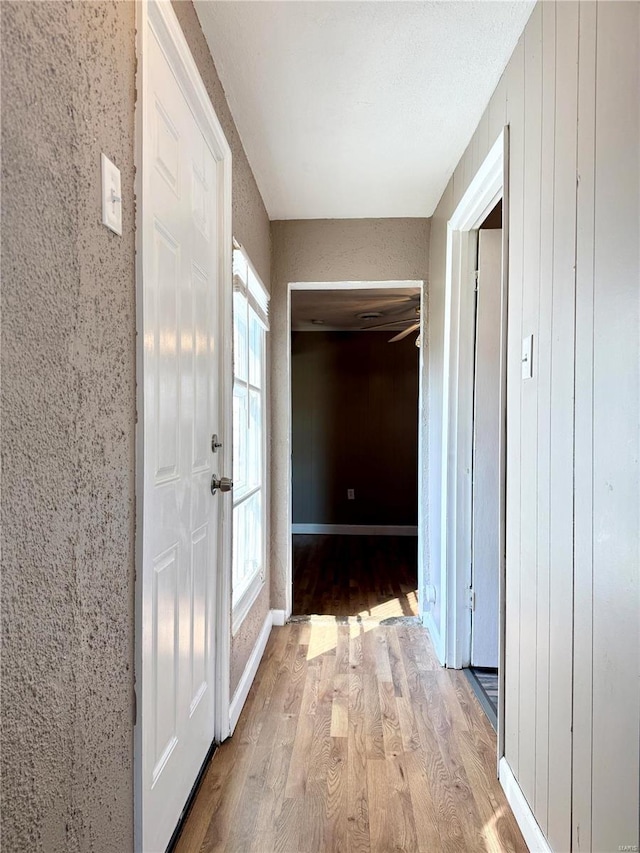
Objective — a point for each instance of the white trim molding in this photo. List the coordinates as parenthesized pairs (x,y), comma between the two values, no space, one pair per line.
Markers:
(279,618)
(357,529)
(249,674)
(354,285)
(246,602)
(436,636)
(531,832)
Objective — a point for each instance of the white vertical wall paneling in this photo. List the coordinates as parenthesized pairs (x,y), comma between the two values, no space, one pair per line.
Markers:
(528,404)
(515,108)
(497,111)
(543,364)
(562,396)
(458,189)
(616,405)
(583,524)
(584,467)
(482,139)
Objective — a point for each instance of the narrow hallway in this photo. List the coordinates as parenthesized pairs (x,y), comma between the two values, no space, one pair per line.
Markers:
(354,738)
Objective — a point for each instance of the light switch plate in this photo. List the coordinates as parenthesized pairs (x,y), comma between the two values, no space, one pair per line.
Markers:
(111,196)
(527,357)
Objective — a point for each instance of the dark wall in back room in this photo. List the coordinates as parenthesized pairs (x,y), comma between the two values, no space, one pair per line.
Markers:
(355,426)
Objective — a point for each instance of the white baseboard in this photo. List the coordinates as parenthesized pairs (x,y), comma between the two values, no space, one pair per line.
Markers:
(279,617)
(242,690)
(436,638)
(533,835)
(357,529)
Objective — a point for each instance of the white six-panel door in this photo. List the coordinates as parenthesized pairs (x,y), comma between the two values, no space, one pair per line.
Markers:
(181,519)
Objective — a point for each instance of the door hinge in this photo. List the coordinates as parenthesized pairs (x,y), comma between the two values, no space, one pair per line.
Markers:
(476,276)
(471,598)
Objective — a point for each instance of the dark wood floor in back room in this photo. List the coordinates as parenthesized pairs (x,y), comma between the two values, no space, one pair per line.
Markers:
(354,739)
(350,575)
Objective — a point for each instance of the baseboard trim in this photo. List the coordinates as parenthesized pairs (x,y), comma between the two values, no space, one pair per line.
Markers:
(533,835)
(357,529)
(436,639)
(242,690)
(279,617)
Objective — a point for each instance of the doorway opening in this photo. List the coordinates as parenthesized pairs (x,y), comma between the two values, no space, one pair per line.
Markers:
(473,501)
(355,397)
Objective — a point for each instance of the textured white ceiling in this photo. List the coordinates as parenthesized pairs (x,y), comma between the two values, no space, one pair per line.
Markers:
(338,309)
(358,109)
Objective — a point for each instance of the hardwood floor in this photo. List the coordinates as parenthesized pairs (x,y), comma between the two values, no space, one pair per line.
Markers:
(354,739)
(351,575)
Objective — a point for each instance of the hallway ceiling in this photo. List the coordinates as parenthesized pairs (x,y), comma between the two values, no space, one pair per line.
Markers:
(358,109)
(338,309)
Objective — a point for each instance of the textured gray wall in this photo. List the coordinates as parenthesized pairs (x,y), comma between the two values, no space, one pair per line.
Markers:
(251,228)
(68,420)
(325,250)
(68,411)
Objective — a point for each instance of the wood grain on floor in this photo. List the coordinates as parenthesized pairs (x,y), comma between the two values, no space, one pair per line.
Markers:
(350,575)
(354,739)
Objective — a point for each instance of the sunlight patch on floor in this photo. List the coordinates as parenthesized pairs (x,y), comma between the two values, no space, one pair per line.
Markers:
(323,628)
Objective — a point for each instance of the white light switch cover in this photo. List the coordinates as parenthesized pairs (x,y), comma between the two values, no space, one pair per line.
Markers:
(527,357)
(111,196)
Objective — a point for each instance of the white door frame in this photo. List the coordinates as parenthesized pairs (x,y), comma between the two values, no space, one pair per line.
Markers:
(159,15)
(487,187)
(343,286)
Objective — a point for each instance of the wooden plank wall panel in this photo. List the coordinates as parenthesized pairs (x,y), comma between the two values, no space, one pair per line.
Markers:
(515,109)
(616,709)
(482,140)
(529,402)
(561,410)
(497,110)
(543,365)
(583,554)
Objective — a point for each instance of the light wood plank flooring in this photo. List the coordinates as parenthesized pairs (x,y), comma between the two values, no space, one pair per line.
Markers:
(354,739)
(350,575)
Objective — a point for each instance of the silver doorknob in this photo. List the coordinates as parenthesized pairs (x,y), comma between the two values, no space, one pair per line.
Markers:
(223,483)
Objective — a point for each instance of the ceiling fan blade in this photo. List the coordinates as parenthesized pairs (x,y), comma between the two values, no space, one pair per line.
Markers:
(404,333)
(386,325)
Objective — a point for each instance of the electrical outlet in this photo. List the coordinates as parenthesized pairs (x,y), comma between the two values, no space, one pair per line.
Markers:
(351,494)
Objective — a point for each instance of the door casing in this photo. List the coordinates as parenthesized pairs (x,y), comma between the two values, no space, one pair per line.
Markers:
(422,423)
(159,15)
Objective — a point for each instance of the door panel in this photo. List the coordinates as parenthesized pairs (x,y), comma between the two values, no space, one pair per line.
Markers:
(486,468)
(180,516)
